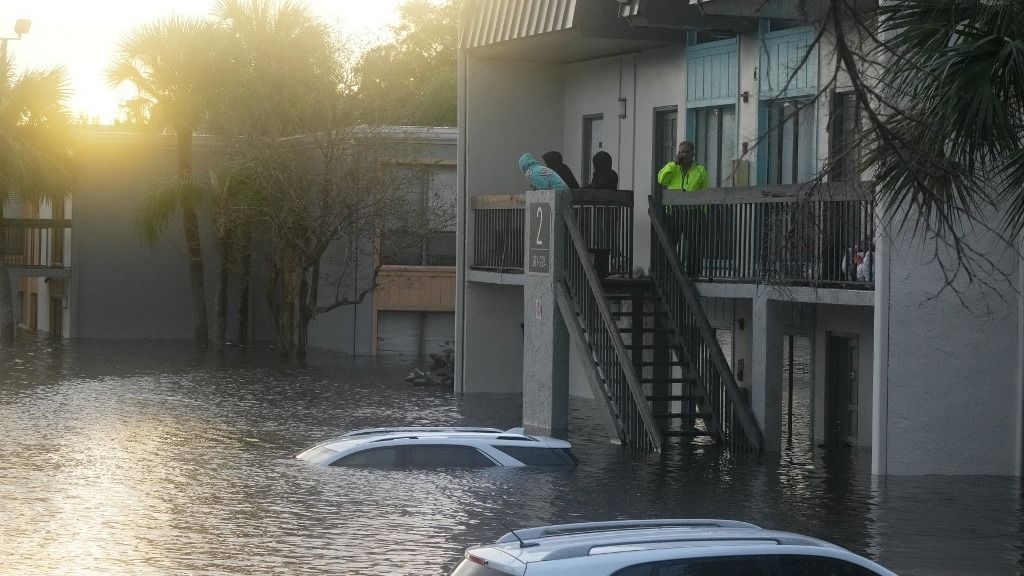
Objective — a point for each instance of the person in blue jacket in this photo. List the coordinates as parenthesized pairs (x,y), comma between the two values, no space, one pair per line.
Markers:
(540,177)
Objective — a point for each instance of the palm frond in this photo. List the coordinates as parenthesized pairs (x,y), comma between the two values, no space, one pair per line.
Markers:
(162,203)
(174,62)
(36,135)
(953,85)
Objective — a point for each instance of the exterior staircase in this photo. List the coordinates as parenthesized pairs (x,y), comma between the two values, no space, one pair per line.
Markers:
(656,362)
(679,405)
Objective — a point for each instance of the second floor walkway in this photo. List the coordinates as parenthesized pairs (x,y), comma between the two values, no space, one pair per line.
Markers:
(37,246)
(797,239)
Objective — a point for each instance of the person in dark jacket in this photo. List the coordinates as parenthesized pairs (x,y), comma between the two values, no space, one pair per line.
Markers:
(604,177)
(553,160)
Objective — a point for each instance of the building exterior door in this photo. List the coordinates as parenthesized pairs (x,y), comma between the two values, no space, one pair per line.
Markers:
(666,122)
(56,317)
(593,135)
(841,389)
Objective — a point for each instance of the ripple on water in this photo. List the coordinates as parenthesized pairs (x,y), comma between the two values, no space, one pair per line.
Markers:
(149,458)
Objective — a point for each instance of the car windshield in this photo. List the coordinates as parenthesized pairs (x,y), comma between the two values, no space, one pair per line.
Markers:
(417,456)
(536,456)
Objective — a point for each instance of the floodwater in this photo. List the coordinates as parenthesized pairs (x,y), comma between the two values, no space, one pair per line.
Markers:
(150,458)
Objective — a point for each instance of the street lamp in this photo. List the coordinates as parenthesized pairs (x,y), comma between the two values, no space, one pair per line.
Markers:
(21,27)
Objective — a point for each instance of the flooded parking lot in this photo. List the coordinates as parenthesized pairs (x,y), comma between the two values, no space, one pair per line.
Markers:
(151,458)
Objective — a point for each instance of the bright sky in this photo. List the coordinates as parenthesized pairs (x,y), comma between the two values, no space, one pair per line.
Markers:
(82,36)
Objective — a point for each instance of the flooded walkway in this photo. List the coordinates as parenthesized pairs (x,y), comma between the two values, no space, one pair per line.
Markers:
(148,458)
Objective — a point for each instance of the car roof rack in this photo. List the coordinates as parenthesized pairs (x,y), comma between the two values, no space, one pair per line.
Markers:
(415,429)
(592,527)
(518,433)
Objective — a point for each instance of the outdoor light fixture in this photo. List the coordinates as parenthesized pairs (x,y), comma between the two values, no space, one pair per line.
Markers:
(21,26)
(622,107)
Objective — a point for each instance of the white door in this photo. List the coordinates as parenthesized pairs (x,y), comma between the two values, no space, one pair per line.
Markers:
(593,142)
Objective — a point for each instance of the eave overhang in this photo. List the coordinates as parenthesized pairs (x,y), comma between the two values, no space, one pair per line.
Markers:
(553,30)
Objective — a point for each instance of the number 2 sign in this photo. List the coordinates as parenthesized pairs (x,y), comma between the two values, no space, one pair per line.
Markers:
(539,242)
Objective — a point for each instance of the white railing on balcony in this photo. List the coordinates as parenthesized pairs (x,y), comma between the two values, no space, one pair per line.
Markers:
(822,236)
(36,243)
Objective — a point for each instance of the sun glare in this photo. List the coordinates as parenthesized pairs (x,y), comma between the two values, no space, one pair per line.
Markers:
(83,36)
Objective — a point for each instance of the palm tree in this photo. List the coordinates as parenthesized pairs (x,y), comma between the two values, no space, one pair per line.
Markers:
(947,122)
(285,54)
(173,62)
(36,160)
(285,64)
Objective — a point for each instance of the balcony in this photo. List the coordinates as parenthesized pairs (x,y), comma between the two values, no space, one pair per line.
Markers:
(38,244)
(781,235)
(605,218)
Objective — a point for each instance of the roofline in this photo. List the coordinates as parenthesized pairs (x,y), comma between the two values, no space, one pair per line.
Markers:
(441,135)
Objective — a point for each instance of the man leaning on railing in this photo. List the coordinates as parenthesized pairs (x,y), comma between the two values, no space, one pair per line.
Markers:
(684,173)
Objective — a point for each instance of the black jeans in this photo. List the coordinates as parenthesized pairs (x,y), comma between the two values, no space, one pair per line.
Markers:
(688,227)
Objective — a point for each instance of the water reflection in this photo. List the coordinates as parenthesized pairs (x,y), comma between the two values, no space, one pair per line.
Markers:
(150,458)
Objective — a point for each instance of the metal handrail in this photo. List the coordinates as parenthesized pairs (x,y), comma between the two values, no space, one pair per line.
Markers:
(713,371)
(34,242)
(770,194)
(605,218)
(621,385)
(821,236)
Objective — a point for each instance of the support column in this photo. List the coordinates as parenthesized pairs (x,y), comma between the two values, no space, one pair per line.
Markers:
(766,369)
(546,340)
(880,367)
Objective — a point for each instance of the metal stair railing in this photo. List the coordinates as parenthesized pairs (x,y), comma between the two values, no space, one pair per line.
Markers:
(733,415)
(617,378)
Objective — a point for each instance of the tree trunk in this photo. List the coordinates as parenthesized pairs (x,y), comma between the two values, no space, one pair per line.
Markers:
(289,308)
(274,302)
(220,302)
(300,325)
(310,295)
(281,295)
(6,297)
(190,223)
(200,329)
(243,290)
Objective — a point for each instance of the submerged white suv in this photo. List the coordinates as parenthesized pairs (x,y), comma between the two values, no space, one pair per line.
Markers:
(662,548)
(455,447)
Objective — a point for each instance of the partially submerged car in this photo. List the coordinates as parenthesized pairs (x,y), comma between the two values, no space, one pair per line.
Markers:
(446,447)
(662,548)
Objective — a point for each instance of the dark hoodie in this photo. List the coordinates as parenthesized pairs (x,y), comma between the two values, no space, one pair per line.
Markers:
(553,160)
(604,177)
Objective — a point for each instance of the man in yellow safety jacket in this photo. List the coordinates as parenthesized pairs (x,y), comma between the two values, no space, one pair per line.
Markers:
(684,173)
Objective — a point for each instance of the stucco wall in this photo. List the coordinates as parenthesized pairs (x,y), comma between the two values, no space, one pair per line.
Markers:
(742,348)
(345,329)
(659,81)
(121,287)
(952,385)
(747,112)
(515,107)
(594,87)
(507,108)
(493,358)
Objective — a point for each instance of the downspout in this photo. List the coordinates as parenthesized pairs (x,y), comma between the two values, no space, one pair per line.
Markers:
(461,200)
